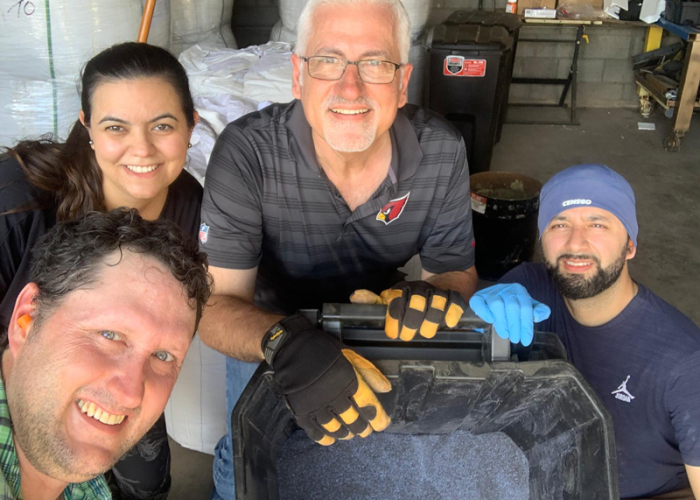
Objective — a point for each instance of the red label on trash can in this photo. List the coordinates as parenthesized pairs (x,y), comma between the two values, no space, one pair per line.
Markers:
(459,66)
(478,203)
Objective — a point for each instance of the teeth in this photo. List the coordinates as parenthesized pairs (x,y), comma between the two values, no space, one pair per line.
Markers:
(98,414)
(142,170)
(350,111)
(577,264)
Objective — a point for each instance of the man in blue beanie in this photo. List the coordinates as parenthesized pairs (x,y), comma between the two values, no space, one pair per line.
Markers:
(640,354)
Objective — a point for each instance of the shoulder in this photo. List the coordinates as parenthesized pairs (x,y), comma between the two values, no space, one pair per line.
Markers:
(184,203)
(14,186)
(10,170)
(251,144)
(669,319)
(187,185)
(430,125)
(16,192)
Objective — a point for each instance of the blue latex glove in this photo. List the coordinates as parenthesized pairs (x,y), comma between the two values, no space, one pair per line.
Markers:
(511,310)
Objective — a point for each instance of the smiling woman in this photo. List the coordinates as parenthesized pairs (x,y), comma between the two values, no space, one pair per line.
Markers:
(127,148)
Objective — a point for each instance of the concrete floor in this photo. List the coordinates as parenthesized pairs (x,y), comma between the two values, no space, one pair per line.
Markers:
(667,186)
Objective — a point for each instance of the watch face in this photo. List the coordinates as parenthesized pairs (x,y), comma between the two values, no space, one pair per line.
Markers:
(276,330)
(273,338)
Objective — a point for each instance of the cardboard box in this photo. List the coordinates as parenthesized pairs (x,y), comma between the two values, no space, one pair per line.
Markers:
(535,4)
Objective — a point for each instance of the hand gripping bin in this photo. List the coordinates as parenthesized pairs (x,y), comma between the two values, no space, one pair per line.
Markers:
(446,384)
(470,70)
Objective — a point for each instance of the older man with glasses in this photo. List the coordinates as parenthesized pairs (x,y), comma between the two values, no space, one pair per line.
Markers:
(308,201)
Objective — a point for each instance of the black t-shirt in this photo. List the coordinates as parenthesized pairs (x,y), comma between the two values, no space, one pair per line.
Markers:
(645,366)
(20,231)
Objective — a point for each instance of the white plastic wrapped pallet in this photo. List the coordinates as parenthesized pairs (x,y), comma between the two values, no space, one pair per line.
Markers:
(201,22)
(196,411)
(281,34)
(290,10)
(44,46)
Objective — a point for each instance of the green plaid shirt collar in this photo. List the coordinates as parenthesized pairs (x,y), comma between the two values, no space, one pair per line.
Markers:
(95,489)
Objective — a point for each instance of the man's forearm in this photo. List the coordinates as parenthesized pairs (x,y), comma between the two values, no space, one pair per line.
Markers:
(235,327)
(463,282)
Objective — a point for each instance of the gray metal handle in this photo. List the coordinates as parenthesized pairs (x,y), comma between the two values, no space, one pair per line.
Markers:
(334,318)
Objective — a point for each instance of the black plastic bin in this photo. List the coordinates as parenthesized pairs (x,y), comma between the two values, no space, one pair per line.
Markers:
(444,385)
(470,71)
(680,12)
(504,215)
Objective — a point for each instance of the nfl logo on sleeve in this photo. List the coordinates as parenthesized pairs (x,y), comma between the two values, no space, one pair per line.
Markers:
(203,233)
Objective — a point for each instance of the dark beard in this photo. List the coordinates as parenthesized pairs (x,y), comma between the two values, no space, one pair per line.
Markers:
(578,287)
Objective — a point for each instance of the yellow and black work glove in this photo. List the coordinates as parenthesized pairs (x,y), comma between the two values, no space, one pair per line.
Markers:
(329,388)
(415,307)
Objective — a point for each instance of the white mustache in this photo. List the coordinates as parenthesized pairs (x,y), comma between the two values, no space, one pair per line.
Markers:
(335,100)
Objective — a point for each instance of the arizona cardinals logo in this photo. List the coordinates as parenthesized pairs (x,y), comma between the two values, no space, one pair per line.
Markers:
(393,210)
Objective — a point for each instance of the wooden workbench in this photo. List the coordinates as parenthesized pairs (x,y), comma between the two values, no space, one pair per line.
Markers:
(655,88)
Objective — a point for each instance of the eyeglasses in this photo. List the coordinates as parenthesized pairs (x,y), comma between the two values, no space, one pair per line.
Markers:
(333,68)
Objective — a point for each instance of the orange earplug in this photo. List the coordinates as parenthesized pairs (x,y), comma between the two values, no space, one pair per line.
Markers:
(24,321)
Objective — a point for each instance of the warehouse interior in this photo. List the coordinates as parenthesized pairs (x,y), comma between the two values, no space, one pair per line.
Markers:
(602,116)
(666,186)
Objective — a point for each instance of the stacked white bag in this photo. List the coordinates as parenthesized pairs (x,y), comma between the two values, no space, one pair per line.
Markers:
(418,12)
(201,22)
(45,45)
(227,84)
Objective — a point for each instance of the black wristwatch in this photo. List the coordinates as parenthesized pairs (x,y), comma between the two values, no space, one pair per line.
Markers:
(272,341)
(280,332)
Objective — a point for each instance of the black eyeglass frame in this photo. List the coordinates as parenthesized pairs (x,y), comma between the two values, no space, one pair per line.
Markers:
(347,63)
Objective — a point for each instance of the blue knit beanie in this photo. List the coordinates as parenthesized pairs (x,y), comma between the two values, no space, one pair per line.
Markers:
(589,186)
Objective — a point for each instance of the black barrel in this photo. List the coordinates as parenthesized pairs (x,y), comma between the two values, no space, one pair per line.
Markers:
(504,214)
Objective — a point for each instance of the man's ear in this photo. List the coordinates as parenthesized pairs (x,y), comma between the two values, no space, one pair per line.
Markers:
(296,76)
(631,249)
(21,321)
(405,74)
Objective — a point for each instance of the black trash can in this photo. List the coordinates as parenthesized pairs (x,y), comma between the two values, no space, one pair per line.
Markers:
(504,215)
(446,385)
(471,66)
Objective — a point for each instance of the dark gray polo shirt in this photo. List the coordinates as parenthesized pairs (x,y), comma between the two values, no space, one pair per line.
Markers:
(267,203)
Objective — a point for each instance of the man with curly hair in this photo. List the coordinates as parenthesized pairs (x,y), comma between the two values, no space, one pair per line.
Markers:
(94,346)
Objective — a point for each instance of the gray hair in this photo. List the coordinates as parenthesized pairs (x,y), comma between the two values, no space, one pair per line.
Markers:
(402,24)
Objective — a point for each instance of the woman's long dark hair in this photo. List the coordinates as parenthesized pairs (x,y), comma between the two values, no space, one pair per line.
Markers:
(69,171)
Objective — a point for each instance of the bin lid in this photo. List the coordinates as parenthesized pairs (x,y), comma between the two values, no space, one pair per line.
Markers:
(462,36)
(510,22)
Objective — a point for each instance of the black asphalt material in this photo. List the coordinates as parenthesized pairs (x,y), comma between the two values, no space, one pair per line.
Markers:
(406,467)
